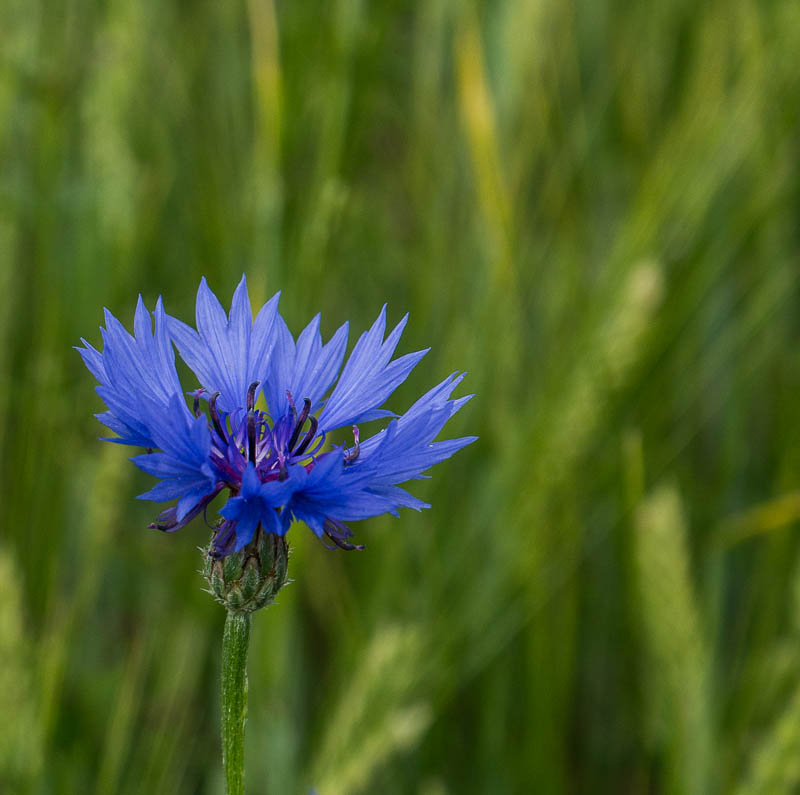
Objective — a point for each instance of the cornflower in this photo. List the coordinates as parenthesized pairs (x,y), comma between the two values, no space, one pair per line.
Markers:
(270,455)
(258,427)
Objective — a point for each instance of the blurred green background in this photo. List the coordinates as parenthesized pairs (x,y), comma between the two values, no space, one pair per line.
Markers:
(591,206)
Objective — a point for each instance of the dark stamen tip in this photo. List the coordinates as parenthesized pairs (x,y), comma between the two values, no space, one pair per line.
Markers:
(196,401)
(352,455)
(338,532)
(251,395)
(344,544)
(251,435)
(215,418)
(312,432)
(300,422)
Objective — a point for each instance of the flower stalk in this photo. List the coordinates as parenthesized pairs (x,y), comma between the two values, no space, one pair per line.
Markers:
(235,641)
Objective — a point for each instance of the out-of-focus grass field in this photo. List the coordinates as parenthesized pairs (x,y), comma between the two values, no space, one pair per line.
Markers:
(593,208)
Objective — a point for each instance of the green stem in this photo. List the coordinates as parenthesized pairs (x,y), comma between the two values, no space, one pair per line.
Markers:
(234,699)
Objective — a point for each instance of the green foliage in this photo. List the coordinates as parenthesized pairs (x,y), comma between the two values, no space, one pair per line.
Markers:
(20,735)
(675,666)
(591,207)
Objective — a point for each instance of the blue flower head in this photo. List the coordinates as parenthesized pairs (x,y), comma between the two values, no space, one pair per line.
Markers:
(260,417)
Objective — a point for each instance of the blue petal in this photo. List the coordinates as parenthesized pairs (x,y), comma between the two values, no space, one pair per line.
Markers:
(368,377)
(312,517)
(271,522)
(245,530)
(176,431)
(93,359)
(369,486)
(191,500)
(127,434)
(251,485)
(306,369)
(406,449)
(131,370)
(328,493)
(227,353)
(276,493)
(172,489)
(401,498)
(184,462)
(257,503)
(235,508)
(164,466)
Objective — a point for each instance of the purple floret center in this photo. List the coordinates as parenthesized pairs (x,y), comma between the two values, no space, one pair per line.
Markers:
(241,438)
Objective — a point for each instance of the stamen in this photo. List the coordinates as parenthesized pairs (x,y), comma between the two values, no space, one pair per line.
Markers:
(300,422)
(344,544)
(312,431)
(251,395)
(215,419)
(337,532)
(167,520)
(251,435)
(352,455)
(269,439)
(319,444)
(196,402)
(282,466)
